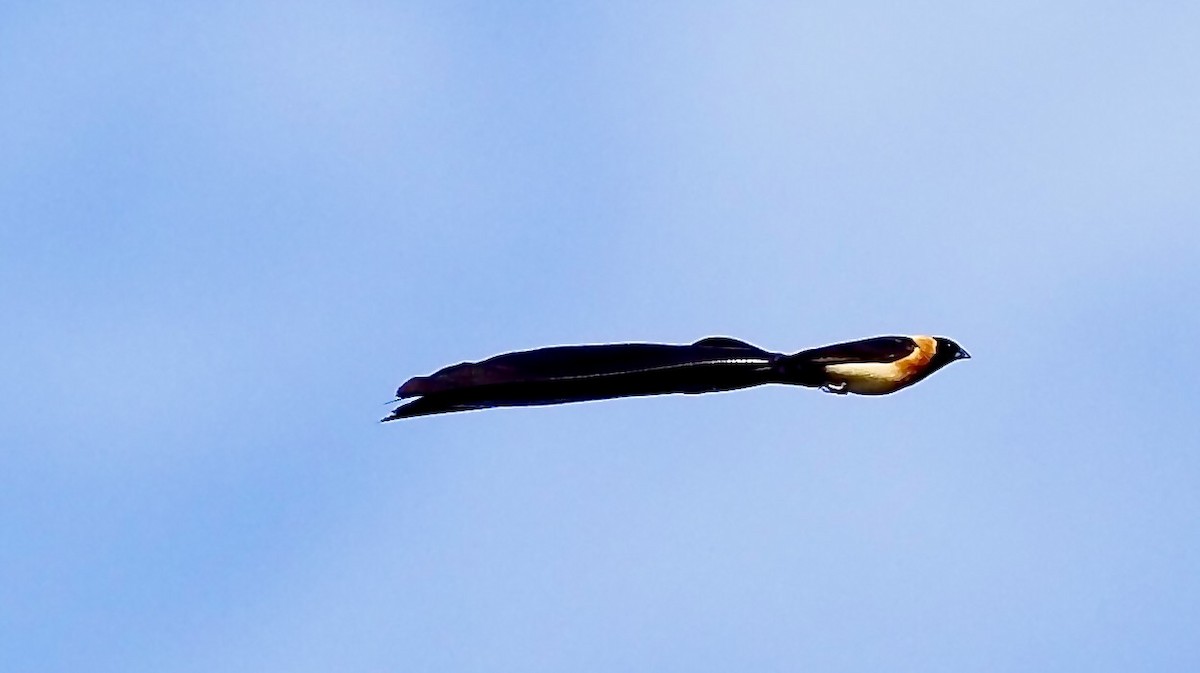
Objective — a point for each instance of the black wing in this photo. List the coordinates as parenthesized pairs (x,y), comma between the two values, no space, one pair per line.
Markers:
(874,349)
(807,368)
(577,373)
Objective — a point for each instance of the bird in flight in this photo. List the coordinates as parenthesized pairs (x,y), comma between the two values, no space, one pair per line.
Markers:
(561,374)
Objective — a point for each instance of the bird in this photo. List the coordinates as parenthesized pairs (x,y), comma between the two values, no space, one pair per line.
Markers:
(561,374)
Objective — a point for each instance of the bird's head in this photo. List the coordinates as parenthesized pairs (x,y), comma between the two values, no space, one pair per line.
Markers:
(947,351)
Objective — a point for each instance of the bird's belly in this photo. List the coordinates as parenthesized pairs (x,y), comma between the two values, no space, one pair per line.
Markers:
(868,378)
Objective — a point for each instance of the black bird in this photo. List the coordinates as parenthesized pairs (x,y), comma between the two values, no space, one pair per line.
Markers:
(561,374)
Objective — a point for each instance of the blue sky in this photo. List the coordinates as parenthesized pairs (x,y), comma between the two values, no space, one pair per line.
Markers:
(228,231)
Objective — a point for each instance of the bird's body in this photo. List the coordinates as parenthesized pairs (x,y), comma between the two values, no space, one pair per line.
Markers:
(881,378)
(561,374)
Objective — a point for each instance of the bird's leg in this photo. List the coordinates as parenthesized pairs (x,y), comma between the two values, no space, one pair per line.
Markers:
(838,388)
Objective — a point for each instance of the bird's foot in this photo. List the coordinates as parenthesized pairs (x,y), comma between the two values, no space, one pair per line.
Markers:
(835,388)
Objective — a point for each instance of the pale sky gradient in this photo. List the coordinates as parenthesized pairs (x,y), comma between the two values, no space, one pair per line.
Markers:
(228,231)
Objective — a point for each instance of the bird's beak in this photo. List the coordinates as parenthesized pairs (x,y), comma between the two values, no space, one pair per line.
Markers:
(962,355)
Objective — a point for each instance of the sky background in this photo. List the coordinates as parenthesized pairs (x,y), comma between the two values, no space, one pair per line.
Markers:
(229,230)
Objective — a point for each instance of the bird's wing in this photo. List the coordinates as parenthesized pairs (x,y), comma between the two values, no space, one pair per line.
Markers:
(874,349)
(577,373)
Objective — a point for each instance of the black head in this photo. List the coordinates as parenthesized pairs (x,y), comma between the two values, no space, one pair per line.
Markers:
(947,351)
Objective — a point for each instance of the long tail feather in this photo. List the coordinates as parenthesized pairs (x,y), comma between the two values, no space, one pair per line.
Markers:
(578,373)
